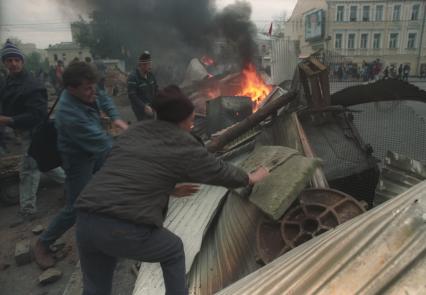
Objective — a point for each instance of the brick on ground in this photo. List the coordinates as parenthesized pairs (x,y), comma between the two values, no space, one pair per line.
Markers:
(23,252)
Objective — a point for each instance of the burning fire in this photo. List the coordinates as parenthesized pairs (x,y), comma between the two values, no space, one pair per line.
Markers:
(253,86)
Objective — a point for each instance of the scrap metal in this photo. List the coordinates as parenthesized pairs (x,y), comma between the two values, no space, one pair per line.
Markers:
(380,252)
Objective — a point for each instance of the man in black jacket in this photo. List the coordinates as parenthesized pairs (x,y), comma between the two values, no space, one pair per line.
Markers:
(121,211)
(142,88)
(24,106)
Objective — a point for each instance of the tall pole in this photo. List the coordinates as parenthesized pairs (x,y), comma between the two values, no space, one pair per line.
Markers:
(421,39)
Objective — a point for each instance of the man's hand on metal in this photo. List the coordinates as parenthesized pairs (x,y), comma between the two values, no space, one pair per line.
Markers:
(185,190)
(120,124)
(5,120)
(259,174)
(148,110)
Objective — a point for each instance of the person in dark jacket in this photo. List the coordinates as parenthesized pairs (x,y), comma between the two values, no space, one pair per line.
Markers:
(142,88)
(121,211)
(24,106)
(82,142)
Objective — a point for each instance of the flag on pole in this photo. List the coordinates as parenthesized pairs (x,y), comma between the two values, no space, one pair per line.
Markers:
(270,30)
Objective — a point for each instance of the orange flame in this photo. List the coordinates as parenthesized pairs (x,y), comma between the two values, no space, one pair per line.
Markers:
(253,86)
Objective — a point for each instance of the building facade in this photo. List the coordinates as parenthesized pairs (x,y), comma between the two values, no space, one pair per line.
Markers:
(66,52)
(295,27)
(392,31)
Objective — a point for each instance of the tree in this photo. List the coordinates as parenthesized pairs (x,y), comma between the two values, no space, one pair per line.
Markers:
(34,63)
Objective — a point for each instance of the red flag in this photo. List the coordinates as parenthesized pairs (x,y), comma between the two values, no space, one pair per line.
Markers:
(270,30)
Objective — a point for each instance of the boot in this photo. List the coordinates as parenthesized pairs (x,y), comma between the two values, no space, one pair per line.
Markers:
(42,255)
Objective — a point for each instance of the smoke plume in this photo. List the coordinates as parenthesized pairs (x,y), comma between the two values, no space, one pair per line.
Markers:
(175,31)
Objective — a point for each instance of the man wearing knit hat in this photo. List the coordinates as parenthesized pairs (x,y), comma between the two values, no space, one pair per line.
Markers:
(121,211)
(24,106)
(142,88)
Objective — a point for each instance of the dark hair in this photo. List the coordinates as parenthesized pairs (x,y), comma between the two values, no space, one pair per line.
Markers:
(172,105)
(145,57)
(78,72)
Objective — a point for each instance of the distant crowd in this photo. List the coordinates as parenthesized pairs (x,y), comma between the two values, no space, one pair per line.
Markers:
(371,71)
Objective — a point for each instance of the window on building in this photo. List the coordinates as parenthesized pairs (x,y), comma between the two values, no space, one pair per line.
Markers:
(415,12)
(379,12)
(412,40)
(366,13)
(393,40)
(353,13)
(340,13)
(377,40)
(351,41)
(396,12)
(338,41)
(55,57)
(364,41)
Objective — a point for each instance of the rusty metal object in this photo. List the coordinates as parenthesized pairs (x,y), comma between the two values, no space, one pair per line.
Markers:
(319,179)
(317,211)
(216,144)
(314,72)
(269,241)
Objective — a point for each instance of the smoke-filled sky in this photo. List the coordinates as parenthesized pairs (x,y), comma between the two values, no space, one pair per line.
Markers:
(44,22)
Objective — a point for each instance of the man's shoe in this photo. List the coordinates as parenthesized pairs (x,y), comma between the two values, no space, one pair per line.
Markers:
(42,255)
(24,217)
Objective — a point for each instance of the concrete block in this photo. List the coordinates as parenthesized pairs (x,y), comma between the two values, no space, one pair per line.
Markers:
(38,229)
(51,275)
(23,252)
(275,194)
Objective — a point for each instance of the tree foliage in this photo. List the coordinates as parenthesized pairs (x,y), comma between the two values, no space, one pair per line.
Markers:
(34,63)
(100,36)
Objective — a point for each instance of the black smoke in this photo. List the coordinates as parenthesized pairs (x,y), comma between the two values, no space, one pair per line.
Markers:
(175,31)
(235,25)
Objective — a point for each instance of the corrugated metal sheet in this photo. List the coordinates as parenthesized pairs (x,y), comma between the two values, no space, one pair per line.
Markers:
(188,218)
(380,252)
(229,249)
(399,174)
(284,60)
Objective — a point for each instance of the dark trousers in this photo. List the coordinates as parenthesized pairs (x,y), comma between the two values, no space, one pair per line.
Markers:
(101,240)
(79,169)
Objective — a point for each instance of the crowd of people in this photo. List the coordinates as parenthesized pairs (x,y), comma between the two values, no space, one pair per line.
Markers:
(117,192)
(370,71)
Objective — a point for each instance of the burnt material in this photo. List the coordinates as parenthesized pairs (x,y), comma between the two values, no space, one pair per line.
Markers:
(225,111)
(251,121)
(348,162)
(383,90)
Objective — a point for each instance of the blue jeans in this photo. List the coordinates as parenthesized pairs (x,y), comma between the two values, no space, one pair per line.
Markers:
(29,176)
(79,169)
(102,239)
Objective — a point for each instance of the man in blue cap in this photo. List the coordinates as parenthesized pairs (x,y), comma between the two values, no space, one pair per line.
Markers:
(23,102)
(142,88)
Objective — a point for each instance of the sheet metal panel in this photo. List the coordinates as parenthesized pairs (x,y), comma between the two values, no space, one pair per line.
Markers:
(399,174)
(229,249)
(380,252)
(284,60)
(188,218)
